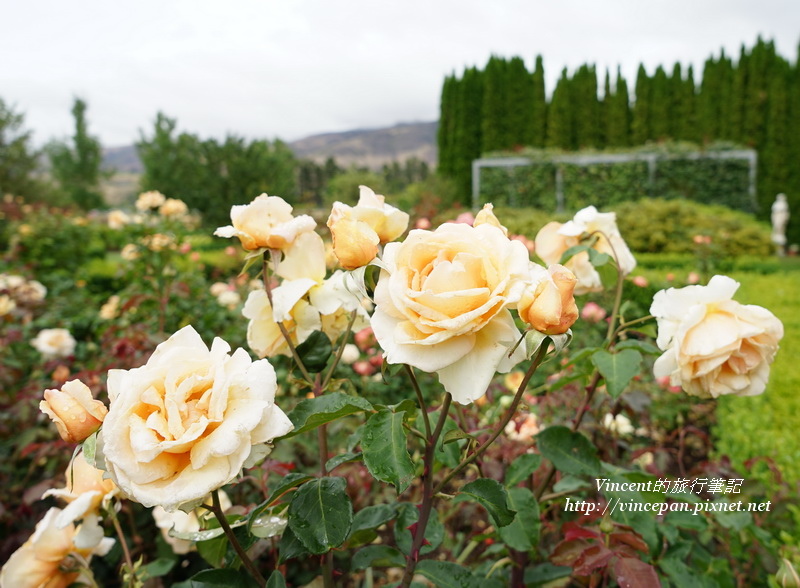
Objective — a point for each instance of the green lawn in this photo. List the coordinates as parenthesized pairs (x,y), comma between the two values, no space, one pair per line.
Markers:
(766,425)
(769,425)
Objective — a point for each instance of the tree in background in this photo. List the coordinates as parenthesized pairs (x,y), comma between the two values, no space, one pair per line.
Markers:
(211,176)
(559,121)
(76,167)
(538,106)
(617,113)
(640,122)
(18,159)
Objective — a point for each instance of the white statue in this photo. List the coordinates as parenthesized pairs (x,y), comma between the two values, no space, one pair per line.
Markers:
(780,218)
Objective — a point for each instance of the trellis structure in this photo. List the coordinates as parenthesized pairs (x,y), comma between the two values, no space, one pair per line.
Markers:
(651,159)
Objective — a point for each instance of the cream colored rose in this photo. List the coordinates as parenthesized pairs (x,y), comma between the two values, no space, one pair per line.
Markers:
(86,493)
(263,334)
(74,411)
(185,522)
(185,423)
(117,219)
(442,304)
(266,222)
(53,343)
(554,239)
(713,345)
(50,558)
(130,252)
(173,207)
(149,200)
(357,230)
(7,305)
(547,303)
(229,299)
(110,309)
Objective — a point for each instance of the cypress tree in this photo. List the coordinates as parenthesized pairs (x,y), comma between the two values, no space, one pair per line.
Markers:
(559,121)
(495,134)
(447,121)
(640,122)
(520,104)
(660,106)
(468,139)
(585,105)
(618,114)
(776,148)
(539,106)
(708,103)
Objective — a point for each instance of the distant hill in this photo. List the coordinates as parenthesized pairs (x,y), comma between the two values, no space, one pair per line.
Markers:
(362,147)
(372,147)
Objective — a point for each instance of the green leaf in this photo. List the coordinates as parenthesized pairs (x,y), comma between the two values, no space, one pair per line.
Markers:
(407,515)
(521,468)
(445,574)
(450,454)
(572,251)
(321,513)
(160,567)
(641,346)
(523,532)
(492,496)
(617,369)
(214,550)
(571,453)
(290,546)
(384,448)
(377,556)
(454,435)
(598,259)
(367,520)
(313,412)
(315,351)
(289,482)
(222,578)
(338,460)
(276,580)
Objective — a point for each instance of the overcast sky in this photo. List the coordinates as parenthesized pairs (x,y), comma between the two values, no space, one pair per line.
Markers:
(292,68)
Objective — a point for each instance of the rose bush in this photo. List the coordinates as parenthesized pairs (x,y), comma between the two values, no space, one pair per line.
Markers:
(186,422)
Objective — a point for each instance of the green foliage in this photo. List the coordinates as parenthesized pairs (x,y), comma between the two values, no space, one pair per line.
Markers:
(384,445)
(672,224)
(77,166)
(344,187)
(18,158)
(321,513)
(211,176)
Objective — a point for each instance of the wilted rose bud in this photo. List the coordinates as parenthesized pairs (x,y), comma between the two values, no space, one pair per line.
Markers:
(486,217)
(548,304)
(74,411)
(787,576)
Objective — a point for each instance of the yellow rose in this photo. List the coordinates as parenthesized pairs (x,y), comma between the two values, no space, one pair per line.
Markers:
(185,423)
(266,222)
(548,304)
(74,411)
(50,558)
(442,304)
(713,345)
(357,230)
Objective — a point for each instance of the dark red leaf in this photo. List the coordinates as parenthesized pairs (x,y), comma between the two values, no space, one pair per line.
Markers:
(574,531)
(591,559)
(631,539)
(634,573)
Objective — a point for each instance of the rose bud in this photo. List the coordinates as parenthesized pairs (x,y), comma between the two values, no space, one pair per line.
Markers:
(74,411)
(548,304)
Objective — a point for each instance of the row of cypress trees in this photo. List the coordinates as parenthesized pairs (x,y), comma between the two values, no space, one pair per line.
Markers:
(753,101)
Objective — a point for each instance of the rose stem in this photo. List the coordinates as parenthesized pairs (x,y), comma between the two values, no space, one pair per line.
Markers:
(122,541)
(427,495)
(501,427)
(280,324)
(592,387)
(217,510)
(420,399)
(340,351)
